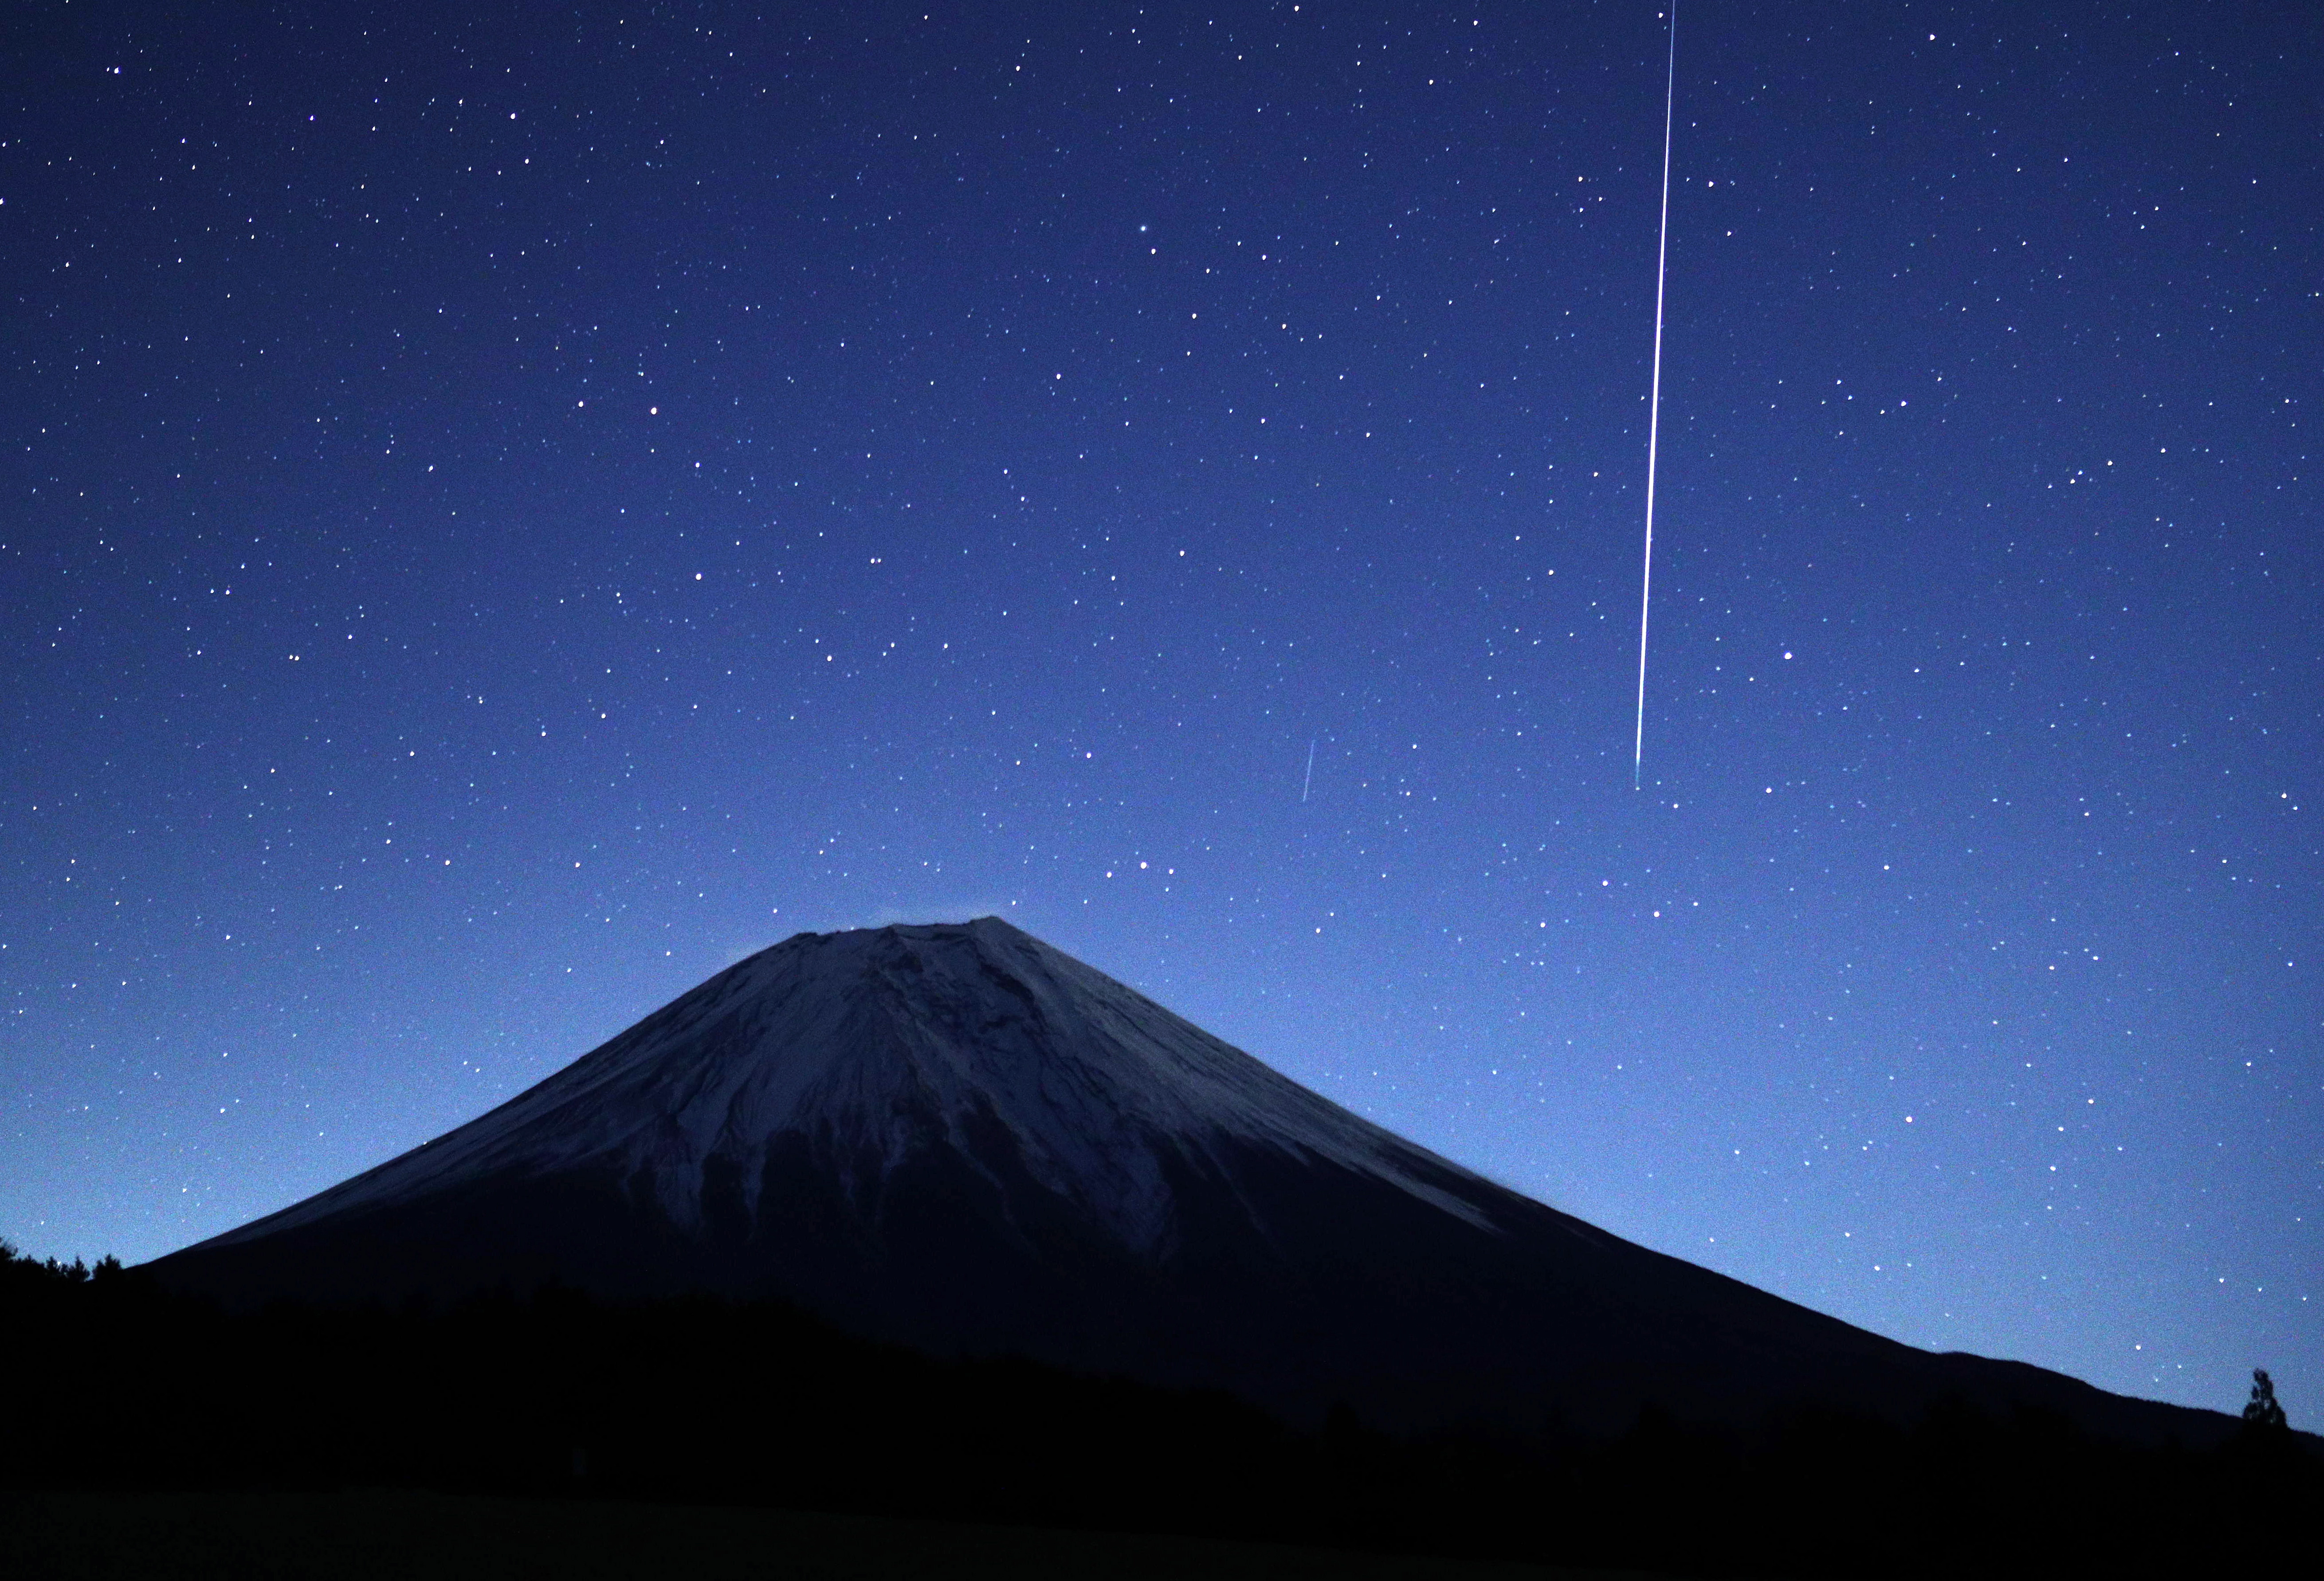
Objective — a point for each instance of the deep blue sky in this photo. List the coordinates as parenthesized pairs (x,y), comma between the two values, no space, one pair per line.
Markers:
(509,509)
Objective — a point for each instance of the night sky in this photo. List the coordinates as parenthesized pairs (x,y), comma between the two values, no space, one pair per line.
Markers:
(510,508)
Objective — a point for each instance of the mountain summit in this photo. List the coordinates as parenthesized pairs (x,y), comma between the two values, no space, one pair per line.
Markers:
(961,1139)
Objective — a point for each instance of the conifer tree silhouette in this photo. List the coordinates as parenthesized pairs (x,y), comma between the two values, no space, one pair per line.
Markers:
(2261,1410)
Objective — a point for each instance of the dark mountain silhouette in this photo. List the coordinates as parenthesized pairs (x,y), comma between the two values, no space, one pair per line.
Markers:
(958,1138)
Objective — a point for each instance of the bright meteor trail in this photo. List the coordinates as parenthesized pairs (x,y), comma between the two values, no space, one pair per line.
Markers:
(1654,404)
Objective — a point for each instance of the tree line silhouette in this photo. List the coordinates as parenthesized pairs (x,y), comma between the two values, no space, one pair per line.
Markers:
(117,1383)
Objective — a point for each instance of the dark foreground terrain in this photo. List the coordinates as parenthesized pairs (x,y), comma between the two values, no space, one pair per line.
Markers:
(138,1417)
(379,1535)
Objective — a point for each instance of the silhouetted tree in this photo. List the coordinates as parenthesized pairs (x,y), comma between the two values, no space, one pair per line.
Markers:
(2261,1410)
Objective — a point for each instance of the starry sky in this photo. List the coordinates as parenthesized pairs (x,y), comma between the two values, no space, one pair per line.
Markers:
(509,510)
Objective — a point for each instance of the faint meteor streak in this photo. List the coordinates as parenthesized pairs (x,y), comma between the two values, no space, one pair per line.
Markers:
(1310,780)
(1654,404)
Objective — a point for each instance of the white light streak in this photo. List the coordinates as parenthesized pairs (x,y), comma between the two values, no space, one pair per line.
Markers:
(1654,404)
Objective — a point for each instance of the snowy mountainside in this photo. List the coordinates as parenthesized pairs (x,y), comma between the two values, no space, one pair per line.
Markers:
(956,1138)
(870,1044)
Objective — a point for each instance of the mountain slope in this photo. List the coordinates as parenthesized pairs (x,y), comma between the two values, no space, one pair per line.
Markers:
(960,1138)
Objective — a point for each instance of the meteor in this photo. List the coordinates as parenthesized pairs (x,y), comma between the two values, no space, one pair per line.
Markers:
(1654,404)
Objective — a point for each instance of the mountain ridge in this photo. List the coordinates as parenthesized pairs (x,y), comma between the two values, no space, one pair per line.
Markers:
(957,1137)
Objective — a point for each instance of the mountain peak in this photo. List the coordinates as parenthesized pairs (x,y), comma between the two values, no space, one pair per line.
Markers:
(873,1045)
(956,1136)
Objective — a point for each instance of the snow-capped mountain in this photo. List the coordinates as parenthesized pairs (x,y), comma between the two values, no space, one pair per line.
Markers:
(874,1047)
(960,1138)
